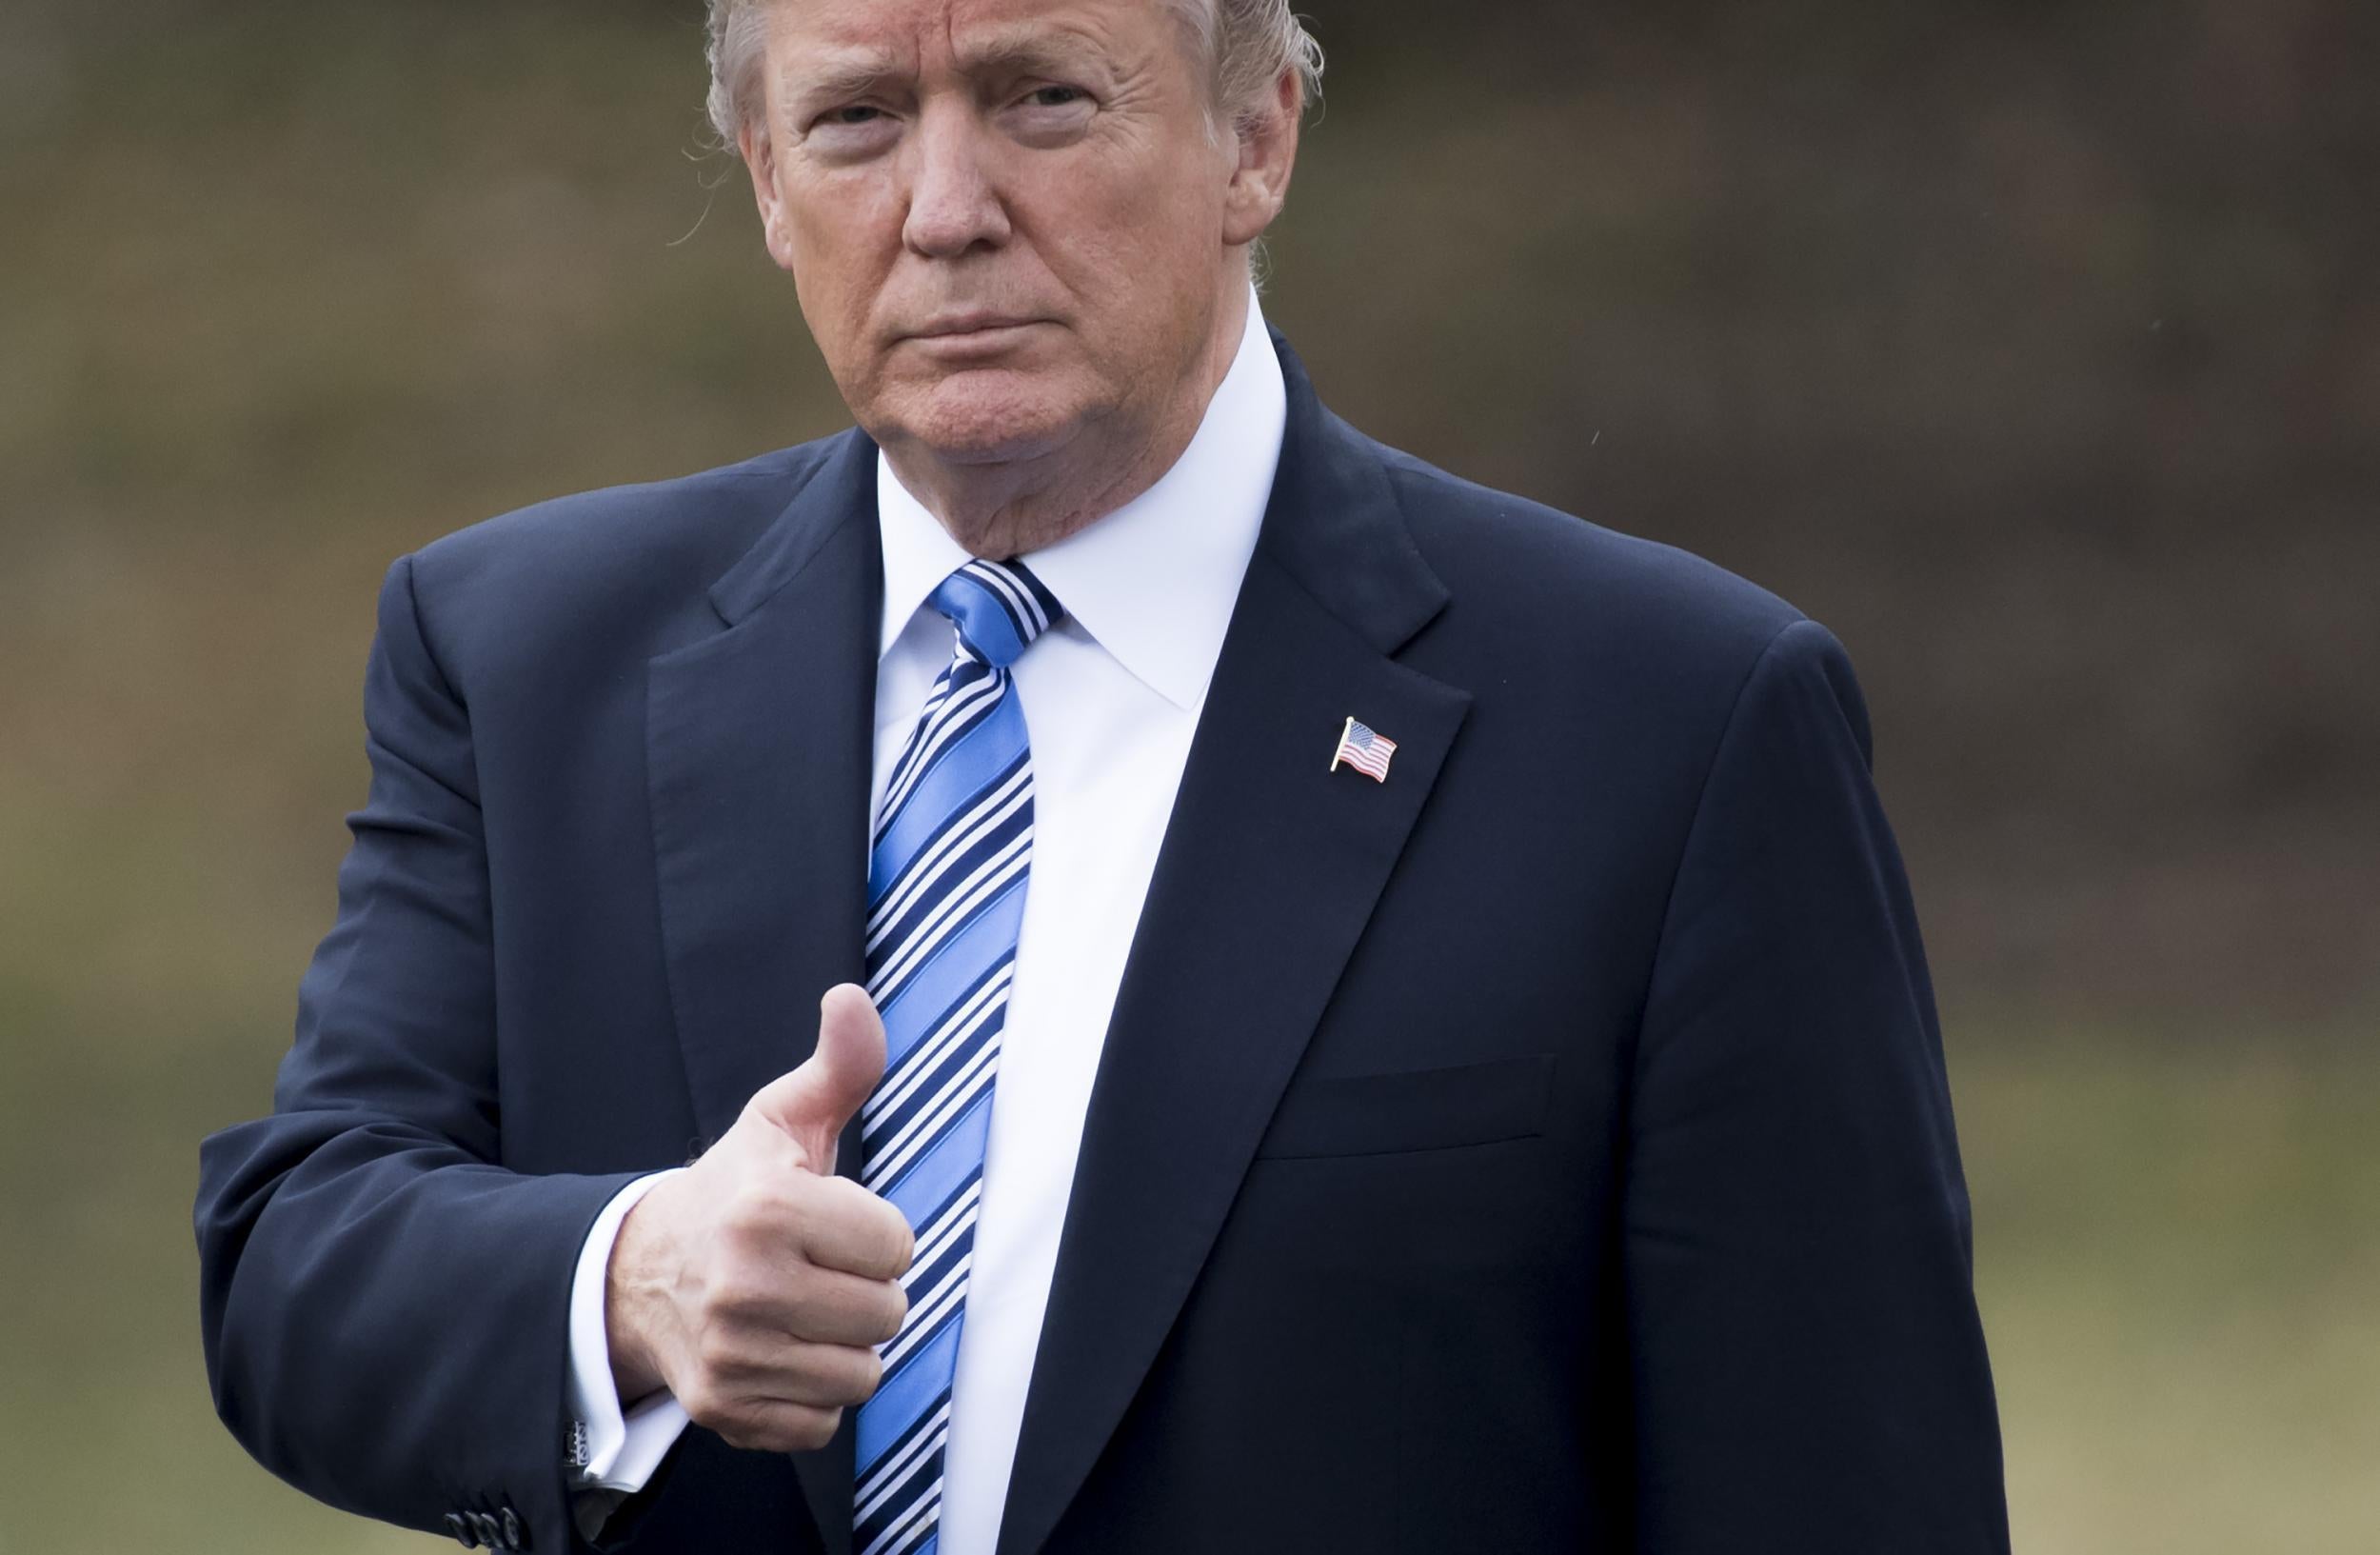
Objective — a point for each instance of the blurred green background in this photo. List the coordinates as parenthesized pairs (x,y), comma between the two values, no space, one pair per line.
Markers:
(2034,347)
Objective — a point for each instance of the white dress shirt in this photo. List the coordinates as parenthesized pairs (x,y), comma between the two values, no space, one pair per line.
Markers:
(1111,697)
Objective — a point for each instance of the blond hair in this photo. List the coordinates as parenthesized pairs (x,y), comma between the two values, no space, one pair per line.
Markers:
(1244,43)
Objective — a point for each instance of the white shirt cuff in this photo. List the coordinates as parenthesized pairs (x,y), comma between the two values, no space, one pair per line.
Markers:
(611,1451)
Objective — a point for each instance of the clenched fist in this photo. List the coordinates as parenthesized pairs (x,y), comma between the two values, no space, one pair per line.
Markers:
(756,1285)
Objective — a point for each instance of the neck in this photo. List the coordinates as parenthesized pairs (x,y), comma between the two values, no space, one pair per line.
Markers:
(1005,508)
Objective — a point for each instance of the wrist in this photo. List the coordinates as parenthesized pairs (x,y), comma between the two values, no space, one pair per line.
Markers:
(635,1373)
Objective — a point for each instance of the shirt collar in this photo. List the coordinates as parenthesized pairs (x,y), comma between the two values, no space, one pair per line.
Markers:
(1153,582)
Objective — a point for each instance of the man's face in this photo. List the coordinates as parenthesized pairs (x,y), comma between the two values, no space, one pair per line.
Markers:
(1008,220)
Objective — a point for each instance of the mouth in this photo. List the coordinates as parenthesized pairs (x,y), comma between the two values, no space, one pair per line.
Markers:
(964,329)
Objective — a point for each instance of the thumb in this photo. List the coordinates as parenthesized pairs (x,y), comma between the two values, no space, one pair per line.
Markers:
(812,1103)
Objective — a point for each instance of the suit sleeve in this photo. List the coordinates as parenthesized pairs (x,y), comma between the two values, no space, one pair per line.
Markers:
(1808,1364)
(385,1306)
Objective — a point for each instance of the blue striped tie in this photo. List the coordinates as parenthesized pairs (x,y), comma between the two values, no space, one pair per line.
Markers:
(946,882)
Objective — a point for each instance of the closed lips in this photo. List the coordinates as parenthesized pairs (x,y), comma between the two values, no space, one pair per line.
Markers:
(970,324)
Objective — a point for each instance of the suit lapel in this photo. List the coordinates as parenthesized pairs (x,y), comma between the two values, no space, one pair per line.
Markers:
(759,744)
(1269,871)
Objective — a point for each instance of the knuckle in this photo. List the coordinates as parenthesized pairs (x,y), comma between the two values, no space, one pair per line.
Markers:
(734,1291)
(699,1399)
(823,1198)
(805,1298)
(882,1252)
(715,1352)
(898,1240)
(843,1376)
(750,1208)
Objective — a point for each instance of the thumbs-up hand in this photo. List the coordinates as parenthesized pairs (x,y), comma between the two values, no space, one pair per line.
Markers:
(755,1284)
(810,1105)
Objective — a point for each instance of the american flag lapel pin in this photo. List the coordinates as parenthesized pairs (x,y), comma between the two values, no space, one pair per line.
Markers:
(1364,750)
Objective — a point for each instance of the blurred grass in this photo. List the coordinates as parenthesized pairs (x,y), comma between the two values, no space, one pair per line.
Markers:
(2177,1261)
(2037,356)
(2176,1254)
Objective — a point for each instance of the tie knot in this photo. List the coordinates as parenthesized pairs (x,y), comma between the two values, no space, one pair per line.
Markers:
(998,609)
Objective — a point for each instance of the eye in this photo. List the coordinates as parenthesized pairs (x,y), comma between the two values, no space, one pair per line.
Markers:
(850,132)
(1052,115)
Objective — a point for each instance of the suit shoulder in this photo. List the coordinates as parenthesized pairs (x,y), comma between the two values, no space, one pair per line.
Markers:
(1537,564)
(631,526)
(623,560)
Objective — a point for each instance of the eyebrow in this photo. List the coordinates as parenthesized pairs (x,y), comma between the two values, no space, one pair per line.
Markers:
(844,75)
(1017,50)
(1026,52)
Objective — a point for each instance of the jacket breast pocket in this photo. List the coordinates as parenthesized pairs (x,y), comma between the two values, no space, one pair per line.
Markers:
(1411,1109)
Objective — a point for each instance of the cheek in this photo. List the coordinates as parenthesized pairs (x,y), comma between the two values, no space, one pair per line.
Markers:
(1125,244)
(843,239)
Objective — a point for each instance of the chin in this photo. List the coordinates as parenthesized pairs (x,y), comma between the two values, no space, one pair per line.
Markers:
(987,416)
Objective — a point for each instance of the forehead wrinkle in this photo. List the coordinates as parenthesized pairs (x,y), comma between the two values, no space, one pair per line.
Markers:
(1027,47)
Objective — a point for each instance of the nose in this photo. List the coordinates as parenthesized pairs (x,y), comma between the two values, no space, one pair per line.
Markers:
(954,202)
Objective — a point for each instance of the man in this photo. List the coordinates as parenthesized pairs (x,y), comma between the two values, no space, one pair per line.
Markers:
(1465,1073)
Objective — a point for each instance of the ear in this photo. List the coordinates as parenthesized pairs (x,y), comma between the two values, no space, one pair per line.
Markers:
(1268,153)
(759,160)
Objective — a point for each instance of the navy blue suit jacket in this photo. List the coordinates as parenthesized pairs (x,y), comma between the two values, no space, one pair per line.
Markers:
(1546,1148)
